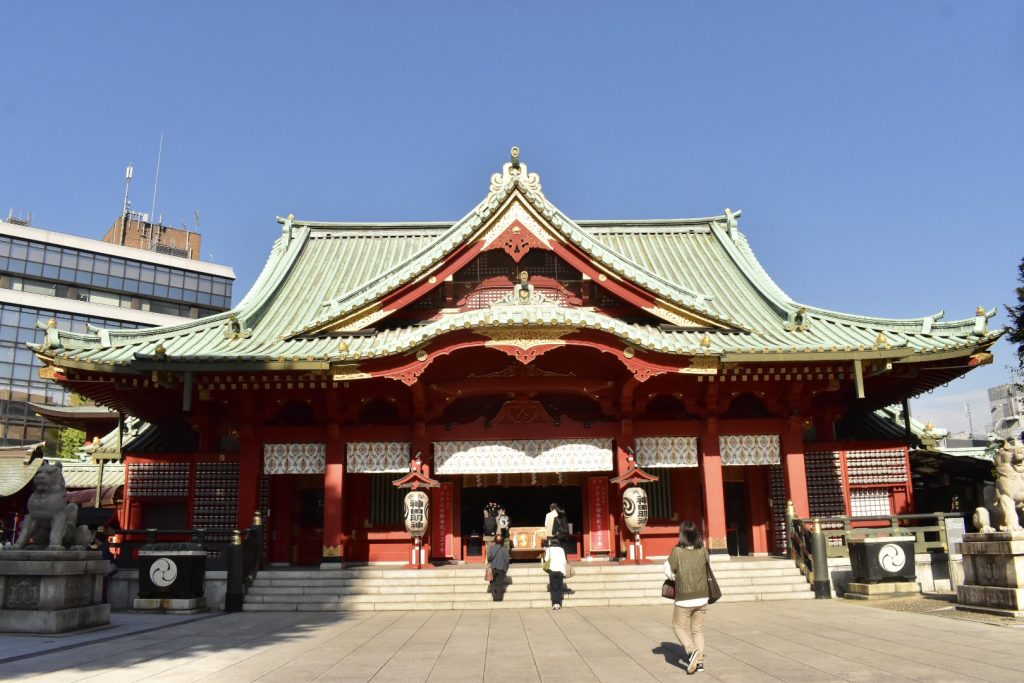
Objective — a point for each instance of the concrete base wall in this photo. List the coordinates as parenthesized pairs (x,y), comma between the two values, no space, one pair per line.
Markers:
(124,589)
(936,573)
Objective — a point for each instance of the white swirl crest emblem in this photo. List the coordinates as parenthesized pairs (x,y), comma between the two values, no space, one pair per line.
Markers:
(163,572)
(891,557)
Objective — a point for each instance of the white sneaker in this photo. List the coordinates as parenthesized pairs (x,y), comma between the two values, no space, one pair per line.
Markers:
(556,607)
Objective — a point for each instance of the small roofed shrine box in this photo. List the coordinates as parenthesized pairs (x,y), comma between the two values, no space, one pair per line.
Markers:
(882,559)
(174,571)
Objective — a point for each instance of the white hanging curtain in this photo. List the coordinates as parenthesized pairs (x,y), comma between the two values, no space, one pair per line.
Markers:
(294,458)
(542,455)
(378,456)
(750,449)
(666,451)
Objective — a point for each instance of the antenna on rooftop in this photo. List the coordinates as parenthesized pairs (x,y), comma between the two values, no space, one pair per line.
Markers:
(127,181)
(156,180)
(970,422)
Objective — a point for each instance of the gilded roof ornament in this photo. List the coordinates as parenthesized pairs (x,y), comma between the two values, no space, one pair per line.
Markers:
(51,323)
(881,339)
(705,341)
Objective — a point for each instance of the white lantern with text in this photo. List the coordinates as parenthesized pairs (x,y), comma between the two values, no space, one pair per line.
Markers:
(635,513)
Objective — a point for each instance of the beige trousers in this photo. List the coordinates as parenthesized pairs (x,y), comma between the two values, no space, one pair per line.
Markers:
(688,624)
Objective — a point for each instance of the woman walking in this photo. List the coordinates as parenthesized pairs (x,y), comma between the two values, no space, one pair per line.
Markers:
(554,558)
(687,565)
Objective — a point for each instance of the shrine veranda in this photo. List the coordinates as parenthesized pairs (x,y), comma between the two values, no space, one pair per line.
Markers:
(524,358)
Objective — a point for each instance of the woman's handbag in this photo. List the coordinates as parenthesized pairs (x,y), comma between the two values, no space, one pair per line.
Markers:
(714,591)
(545,564)
(489,574)
(569,571)
(668,589)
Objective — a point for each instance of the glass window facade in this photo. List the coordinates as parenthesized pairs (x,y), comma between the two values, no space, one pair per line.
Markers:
(85,275)
(69,273)
(20,383)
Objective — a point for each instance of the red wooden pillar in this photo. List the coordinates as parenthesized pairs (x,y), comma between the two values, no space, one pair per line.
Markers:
(714,489)
(625,440)
(334,481)
(420,445)
(793,462)
(249,462)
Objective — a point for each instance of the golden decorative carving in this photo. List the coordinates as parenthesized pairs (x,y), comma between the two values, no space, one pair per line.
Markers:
(881,340)
(50,372)
(516,215)
(421,355)
(629,352)
(348,372)
(524,337)
(701,365)
(705,341)
(332,551)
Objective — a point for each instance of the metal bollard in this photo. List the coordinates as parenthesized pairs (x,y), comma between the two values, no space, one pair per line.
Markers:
(819,557)
(234,597)
(790,516)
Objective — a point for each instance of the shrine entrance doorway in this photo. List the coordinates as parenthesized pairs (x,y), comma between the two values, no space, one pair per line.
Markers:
(526,507)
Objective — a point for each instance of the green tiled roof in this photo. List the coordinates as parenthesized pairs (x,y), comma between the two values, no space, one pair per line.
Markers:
(321,272)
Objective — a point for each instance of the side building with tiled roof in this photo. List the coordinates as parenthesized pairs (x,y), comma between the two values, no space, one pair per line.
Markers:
(521,357)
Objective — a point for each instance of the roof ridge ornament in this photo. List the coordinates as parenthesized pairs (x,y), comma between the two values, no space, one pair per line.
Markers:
(513,174)
(732,225)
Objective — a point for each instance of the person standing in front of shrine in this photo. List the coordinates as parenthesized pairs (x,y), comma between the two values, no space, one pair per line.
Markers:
(503,527)
(687,565)
(490,527)
(554,560)
(498,559)
(549,521)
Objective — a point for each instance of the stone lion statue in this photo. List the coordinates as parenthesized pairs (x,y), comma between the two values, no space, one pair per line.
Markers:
(52,522)
(1001,513)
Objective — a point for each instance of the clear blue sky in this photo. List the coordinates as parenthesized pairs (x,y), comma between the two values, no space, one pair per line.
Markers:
(875,148)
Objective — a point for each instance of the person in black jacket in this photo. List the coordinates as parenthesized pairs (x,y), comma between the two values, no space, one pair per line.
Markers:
(498,559)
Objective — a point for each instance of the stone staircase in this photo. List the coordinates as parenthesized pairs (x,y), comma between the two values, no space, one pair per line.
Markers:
(463,587)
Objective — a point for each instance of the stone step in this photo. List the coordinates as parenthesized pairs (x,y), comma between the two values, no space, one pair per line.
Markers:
(508,603)
(463,587)
(440,577)
(582,568)
(513,592)
(455,584)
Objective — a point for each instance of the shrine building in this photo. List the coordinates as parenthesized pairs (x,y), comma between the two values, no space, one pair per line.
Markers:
(525,358)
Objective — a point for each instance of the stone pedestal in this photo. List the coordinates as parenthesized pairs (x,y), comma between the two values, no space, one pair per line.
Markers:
(882,591)
(170,605)
(993,574)
(46,591)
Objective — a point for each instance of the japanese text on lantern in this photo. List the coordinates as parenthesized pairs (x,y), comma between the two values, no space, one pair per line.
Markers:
(416,513)
(598,490)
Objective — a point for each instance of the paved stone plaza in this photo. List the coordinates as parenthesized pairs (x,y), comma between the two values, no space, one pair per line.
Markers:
(756,641)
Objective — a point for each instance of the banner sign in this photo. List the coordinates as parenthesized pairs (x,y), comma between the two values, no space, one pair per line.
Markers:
(600,537)
(443,545)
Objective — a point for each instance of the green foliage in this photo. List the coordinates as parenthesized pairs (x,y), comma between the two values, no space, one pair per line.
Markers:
(1016,313)
(70,441)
